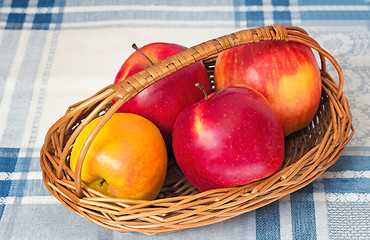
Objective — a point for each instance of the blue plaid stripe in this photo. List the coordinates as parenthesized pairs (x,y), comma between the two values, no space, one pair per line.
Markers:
(347,185)
(248,13)
(282,17)
(45,3)
(303,214)
(24,188)
(39,19)
(331,2)
(42,21)
(20,4)
(335,15)
(8,159)
(21,99)
(353,163)
(268,222)
(15,21)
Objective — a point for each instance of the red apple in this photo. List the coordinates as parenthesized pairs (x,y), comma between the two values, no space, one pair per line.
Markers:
(286,73)
(231,139)
(165,99)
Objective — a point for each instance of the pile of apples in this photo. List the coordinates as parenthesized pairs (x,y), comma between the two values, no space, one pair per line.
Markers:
(263,92)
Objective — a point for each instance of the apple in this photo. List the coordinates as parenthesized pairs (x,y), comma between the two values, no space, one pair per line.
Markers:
(164,100)
(286,73)
(127,158)
(230,139)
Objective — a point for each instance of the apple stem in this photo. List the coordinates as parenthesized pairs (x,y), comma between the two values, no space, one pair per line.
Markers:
(102,182)
(134,46)
(203,89)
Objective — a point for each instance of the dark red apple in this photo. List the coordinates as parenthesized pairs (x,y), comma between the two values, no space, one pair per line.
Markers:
(231,139)
(286,73)
(164,100)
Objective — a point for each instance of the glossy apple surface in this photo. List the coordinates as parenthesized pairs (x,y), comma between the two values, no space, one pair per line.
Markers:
(127,159)
(286,73)
(164,100)
(231,139)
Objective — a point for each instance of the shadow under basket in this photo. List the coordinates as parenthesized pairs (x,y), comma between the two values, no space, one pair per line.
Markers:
(309,152)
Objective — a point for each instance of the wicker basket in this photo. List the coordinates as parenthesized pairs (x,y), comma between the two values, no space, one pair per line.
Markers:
(179,206)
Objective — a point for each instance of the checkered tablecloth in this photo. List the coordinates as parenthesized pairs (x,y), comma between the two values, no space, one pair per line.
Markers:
(54,53)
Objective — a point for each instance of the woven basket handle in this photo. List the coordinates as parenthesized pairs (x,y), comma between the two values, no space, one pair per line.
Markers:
(141,80)
(131,86)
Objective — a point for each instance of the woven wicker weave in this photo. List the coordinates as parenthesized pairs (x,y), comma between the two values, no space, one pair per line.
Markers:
(179,206)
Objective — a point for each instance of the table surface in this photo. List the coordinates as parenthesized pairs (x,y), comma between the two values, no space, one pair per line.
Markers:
(54,53)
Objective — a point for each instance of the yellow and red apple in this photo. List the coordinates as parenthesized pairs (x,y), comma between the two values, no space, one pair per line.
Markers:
(127,159)
(164,100)
(230,139)
(286,73)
